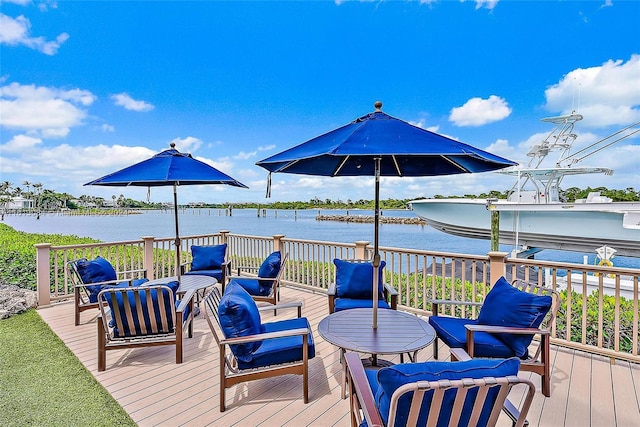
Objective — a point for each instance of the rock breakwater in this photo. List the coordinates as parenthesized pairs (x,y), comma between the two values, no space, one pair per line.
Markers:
(370,219)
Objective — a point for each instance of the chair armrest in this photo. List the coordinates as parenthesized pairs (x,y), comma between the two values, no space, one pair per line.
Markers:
(437,302)
(266,336)
(506,330)
(246,267)
(331,290)
(297,305)
(185,300)
(392,294)
(139,270)
(361,390)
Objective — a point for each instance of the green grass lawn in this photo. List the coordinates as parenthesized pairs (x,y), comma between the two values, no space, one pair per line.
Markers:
(42,383)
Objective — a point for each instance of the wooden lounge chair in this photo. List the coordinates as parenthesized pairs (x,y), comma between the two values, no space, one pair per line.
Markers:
(353,287)
(510,317)
(90,277)
(265,286)
(471,393)
(251,350)
(209,261)
(143,316)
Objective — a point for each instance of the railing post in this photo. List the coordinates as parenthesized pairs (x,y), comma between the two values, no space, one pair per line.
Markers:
(277,242)
(148,256)
(361,249)
(43,271)
(224,236)
(496,265)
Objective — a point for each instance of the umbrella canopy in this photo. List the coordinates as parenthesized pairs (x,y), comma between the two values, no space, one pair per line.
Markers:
(169,167)
(380,145)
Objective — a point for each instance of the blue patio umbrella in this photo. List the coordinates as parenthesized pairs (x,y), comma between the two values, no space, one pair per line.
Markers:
(169,167)
(380,145)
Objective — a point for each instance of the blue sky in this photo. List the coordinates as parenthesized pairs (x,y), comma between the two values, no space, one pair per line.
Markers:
(89,87)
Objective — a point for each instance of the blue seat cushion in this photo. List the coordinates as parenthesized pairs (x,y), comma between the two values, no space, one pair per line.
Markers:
(208,257)
(348,303)
(452,331)
(276,351)
(355,279)
(506,305)
(216,273)
(141,323)
(389,379)
(253,286)
(239,317)
(270,268)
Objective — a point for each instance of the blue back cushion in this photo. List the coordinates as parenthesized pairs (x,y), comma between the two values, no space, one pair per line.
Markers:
(355,279)
(270,268)
(97,270)
(389,379)
(208,257)
(506,305)
(142,325)
(239,317)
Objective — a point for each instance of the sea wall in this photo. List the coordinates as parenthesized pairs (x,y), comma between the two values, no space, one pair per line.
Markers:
(370,219)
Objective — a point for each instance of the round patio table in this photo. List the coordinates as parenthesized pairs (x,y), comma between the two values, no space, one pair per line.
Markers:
(397,333)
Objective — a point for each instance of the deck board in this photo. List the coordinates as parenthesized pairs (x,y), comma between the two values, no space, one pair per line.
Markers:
(586,390)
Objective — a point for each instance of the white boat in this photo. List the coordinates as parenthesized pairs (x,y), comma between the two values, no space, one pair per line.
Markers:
(533,217)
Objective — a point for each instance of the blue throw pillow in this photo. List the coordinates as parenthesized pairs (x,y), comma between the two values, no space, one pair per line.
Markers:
(208,257)
(97,270)
(355,279)
(389,379)
(270,268)
(506,305)
(239,317)
(145,321)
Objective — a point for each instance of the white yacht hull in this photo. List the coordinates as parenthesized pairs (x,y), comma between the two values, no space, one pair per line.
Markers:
(564,226)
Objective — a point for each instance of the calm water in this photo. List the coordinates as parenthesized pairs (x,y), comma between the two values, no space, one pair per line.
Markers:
(294,224)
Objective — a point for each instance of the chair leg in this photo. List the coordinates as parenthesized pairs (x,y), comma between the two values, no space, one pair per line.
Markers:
(77,308)
(102,351)
(435,348)
(546,376)
(305,369)
(223,385)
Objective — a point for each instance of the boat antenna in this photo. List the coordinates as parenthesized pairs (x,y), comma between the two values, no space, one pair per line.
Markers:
(595,147)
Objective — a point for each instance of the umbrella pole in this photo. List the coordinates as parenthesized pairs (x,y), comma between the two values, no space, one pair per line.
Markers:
(177,241)
(376,254)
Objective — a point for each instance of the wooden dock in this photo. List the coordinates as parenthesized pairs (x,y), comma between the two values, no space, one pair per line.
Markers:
(586,390)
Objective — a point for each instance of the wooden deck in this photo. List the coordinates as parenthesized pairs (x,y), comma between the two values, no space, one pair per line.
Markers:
(586,390)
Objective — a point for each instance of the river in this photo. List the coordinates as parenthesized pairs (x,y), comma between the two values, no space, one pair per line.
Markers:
(300,224)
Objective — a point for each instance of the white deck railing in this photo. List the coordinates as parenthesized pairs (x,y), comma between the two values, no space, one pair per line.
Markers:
(600,302)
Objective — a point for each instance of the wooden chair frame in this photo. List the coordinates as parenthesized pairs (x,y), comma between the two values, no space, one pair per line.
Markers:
(389,293)
(230,374)
(362,403)
(274,294)
(81,293)
(539,362)
(107,340)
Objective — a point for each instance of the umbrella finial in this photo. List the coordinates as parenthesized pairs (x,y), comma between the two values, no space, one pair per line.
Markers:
(172,145)
(378,106)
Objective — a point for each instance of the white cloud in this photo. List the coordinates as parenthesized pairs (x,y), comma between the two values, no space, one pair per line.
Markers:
(267,147)
(487,4)
(107,128)
(478,111)
(245,156)
(187,144)
(124,100)
(20,143)
(49,111)
(16,31)
(605,95)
